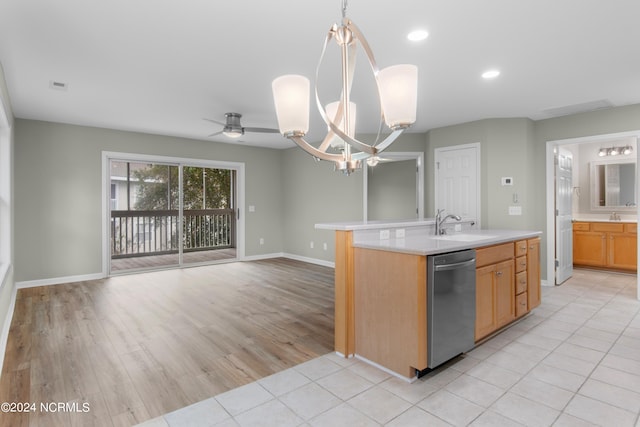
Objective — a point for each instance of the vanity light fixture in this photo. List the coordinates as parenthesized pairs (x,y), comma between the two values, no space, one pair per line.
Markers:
(614,151)
(397,88)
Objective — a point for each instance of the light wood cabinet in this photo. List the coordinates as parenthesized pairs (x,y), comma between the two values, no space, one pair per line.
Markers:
(390,297)
(533,274)
(495,288)
(605,245)
(507,284)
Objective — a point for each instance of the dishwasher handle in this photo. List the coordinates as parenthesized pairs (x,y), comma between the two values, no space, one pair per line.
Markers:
(453,266)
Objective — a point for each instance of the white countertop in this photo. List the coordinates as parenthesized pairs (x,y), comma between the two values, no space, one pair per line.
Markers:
(579,219)
(432,245)
(370,225)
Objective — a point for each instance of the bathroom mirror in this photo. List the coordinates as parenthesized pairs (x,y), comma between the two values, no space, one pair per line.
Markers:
(613,185)
(394,188)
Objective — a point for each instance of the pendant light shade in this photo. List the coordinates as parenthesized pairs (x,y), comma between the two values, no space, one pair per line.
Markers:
(398,87)
(291,99)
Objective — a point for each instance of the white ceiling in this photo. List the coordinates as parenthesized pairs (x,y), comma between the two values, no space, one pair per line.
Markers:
(161,66)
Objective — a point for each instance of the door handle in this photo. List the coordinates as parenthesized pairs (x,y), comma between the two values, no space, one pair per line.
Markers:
(498,273)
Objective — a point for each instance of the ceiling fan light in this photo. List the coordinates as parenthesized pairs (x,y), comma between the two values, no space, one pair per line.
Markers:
(398,86)
(331,110)
(232,134)
(291,99)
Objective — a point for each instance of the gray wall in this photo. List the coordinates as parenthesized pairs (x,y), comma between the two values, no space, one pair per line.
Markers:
(58,193)
(504,147)
(291,192)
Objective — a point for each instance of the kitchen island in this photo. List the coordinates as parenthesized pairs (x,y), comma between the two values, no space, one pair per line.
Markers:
(381,286)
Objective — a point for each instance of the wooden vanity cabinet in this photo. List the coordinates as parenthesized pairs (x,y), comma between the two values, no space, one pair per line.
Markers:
(605,245)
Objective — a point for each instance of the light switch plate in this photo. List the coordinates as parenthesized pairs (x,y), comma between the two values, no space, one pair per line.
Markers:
(507,180)
(515,210)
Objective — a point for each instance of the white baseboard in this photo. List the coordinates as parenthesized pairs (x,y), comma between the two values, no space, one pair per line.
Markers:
(311,260)
(263,256)
(58,280)
(290,256)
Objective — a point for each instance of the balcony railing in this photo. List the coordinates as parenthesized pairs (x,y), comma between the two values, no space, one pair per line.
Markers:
(141,233)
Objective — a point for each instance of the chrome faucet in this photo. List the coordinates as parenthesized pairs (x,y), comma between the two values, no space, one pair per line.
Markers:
(440,221)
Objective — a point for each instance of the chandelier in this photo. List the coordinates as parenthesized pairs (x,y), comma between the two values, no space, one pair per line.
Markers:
(397,94)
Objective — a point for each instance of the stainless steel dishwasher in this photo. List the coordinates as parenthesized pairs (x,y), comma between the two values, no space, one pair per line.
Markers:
(451,305)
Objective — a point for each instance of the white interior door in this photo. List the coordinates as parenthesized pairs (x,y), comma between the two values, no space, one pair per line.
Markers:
(457,180)
(564,228)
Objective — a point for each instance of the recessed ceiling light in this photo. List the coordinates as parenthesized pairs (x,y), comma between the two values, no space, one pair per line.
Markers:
(417,35)
(491,74)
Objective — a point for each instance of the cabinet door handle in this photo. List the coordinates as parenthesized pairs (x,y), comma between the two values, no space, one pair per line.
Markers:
(498,273)
(531,247)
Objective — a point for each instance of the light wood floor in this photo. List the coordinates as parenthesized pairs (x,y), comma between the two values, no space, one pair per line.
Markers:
(135,347)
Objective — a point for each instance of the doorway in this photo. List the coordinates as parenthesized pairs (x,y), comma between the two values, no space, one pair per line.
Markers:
(167,213)
(550,194)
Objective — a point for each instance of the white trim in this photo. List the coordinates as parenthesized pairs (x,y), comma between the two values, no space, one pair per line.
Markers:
(551,197)
(316,261)
(7,323)
(59,280)
(106,196)
(290,256)
(478,147)
(397,156)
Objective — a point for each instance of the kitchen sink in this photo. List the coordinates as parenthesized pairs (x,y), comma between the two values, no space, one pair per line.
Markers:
(464,237)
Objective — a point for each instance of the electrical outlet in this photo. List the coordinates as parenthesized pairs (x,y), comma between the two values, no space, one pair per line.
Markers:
(457,227)
(400,233)
(262,241)
(311,244)
(515,210)
(324,246)
(252,208)
(385,234)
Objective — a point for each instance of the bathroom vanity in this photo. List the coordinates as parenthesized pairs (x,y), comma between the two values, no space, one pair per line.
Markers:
(381,286)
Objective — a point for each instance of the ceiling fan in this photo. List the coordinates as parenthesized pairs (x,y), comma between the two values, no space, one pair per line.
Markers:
(233,129)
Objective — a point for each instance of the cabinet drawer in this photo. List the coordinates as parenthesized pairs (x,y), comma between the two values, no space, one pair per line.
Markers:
(581,226)
(521,282)
(631,228)
(521,304)
(606,226)
(494,254)
(521,264)
(521,248)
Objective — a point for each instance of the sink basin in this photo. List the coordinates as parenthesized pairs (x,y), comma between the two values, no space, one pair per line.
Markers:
(464,237)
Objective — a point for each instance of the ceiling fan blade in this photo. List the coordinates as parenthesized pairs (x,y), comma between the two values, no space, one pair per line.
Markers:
(262,130)
(214,134)
(215,121)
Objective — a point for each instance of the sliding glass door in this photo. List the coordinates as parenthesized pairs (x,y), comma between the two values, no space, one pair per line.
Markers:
(166,215)
(209,214)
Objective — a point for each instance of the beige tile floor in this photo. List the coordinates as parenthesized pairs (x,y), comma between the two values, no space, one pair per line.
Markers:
(575,361)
